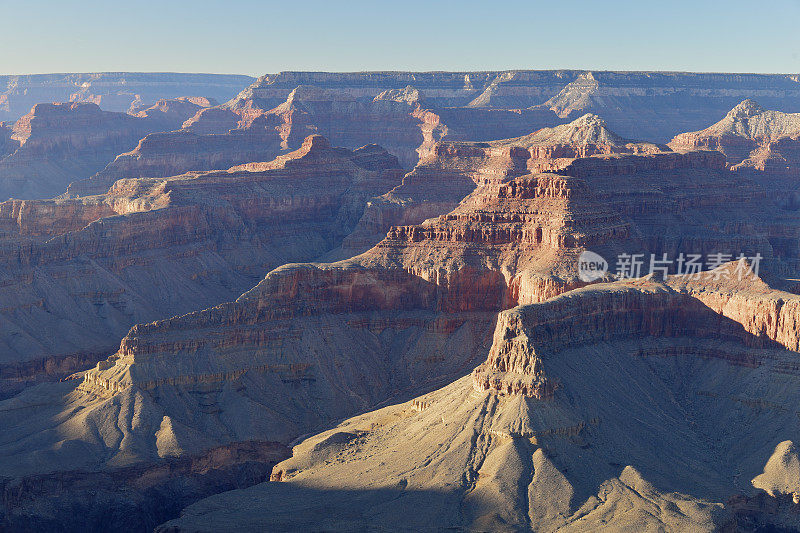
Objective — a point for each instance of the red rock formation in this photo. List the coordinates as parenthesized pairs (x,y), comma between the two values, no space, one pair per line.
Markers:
(577,394)
(742,297)
(726,304)
(525,337)
(86,269)
(453,169)
(451,273)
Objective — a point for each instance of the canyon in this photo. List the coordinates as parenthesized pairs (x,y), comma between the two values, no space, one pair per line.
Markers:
(593,410)
(359,294)
(78,273)
(60,143)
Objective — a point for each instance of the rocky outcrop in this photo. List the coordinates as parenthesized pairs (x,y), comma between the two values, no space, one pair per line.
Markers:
(737,294)
(655,106)
(112,91)
(170,153)
(212,120)
(59,143)
(751,137)
(173,112)
(526,337)
(553,148)
(388,120)
(82,271)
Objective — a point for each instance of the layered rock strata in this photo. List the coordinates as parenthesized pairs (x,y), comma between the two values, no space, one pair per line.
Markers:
(639,105)
(59,143)
(751,137)
(81,272)
(316,342)
(655,189)
(623,422)
(657,106)
(408,112)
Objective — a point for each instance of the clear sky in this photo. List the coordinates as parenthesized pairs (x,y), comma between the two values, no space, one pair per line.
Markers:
(252,37)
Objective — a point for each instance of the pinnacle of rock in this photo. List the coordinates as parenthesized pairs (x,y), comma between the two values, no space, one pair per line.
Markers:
(746,109)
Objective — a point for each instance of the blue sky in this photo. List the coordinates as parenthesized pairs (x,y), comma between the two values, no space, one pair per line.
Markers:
(252,37)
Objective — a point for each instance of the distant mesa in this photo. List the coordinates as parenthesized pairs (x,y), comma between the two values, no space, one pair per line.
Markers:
(112,91)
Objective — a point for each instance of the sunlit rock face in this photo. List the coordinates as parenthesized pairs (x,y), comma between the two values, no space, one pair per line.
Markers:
(751,137)
(444,291)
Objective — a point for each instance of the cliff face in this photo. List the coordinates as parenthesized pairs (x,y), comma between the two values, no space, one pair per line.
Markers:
(357,109)
(85,270)
(113,91)
(528,231)
(59,143)
(391,119)
(514,240)
(654,188)
(477,254)
(415,310)
(170,153)
(526,337)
